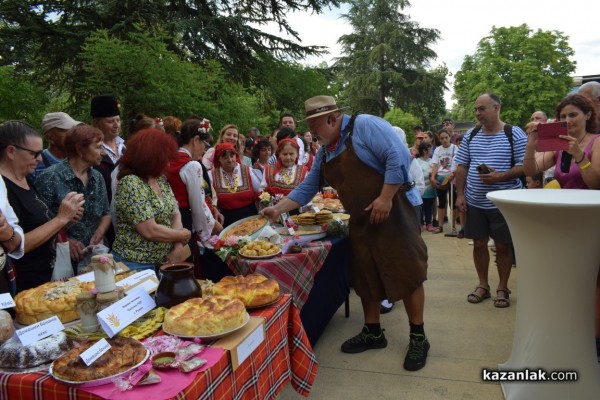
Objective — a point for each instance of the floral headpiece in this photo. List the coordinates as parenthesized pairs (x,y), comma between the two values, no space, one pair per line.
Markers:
(203,125)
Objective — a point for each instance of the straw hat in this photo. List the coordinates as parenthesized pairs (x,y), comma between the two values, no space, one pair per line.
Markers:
(320,105)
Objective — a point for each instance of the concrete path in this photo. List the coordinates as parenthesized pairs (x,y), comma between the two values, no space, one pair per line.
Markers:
(465,338)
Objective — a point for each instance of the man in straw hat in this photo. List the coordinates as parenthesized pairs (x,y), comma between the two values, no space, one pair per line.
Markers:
(366,162)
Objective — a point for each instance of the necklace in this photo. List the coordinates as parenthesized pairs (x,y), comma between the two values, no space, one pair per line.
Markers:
(287,175)
(232,181)
(583,137)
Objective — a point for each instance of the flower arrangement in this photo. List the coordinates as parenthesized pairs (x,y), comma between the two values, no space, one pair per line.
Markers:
(228,247)
(265,199)
(203,125)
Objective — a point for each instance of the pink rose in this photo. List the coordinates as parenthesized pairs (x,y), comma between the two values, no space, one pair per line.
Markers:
(104,260)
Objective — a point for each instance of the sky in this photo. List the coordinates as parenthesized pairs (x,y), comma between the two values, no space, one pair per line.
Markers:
(463,23)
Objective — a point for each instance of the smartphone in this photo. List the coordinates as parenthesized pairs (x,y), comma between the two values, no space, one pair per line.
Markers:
(483,169)
(548,139)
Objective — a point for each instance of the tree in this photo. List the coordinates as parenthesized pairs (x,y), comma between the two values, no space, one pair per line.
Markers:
(528,70)
(20,97)
(384,59)
(46,36)
(148,78)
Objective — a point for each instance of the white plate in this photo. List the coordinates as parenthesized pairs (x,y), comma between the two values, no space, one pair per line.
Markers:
(266,256)
(253,235)
(315,234)
(101,381)
(215,336)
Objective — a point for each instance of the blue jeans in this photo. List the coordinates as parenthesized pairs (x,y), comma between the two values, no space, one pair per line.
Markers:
(131,264)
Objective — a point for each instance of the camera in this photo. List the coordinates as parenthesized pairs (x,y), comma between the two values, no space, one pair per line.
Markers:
(483,169)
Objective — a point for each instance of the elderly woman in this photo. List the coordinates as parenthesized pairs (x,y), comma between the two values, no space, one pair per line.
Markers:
(75,174)
(228,134)
(20,151)
(237,185)
(149,228)
(186,180)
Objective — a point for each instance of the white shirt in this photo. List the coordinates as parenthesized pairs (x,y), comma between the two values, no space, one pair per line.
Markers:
(12,220)
(120,146)
(203,220)
(417,173)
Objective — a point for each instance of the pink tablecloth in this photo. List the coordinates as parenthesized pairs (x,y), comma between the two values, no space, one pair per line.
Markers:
(295,272)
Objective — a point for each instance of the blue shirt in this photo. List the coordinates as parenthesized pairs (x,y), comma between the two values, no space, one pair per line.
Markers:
(377,145)
(493,151)
(46,156)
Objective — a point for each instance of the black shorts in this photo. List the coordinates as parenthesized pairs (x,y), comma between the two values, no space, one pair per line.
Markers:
(482,223)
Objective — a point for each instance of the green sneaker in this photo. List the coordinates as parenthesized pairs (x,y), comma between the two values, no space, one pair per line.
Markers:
(364,341)
(416,357)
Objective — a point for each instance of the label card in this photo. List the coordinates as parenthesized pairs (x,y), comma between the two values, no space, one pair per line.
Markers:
(119,315)
(39,330)
(149,285)
(339,220)
(316,209)
(6,301)
(136,279)
(95,352)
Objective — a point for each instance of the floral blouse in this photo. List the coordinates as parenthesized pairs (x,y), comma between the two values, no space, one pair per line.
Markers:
(136,202)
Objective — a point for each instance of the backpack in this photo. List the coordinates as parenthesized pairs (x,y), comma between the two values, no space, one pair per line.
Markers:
(509,134)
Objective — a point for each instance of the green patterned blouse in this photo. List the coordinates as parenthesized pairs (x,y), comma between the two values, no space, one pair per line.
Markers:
(136,202)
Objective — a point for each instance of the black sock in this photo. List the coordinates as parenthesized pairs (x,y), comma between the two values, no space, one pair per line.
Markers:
(375,329)
(598,346)
(417,329)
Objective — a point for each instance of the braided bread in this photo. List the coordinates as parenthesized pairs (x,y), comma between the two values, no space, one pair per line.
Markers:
(253,290)
(205,316)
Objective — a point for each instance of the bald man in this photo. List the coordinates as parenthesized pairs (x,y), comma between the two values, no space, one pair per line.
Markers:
(539,116)
(591,90)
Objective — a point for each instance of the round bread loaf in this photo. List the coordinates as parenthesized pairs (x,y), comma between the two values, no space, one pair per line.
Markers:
(7,328)
(205,316)
(253,290)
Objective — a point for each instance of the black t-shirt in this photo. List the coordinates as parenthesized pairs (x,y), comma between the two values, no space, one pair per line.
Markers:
(35,267)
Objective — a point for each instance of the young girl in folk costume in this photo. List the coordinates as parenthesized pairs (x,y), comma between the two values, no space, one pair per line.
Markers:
(286,174)
(236,184)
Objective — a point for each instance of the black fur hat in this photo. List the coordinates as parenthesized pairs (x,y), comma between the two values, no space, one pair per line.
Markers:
(104,106)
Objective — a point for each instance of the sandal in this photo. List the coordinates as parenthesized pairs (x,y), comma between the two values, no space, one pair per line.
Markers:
(475,297)
(502,302)
(438,229)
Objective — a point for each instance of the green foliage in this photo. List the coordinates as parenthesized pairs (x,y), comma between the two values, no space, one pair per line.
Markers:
(286,85)
(148,78)
(20,97)
(405,120)
(528,70)
(385,58)
(48,35)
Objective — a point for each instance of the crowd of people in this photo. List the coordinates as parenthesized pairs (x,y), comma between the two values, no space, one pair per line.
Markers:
(170,185)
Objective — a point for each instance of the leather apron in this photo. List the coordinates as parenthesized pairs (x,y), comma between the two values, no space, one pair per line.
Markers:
(387,260)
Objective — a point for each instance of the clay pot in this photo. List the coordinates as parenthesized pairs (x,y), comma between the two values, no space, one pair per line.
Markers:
(177,284)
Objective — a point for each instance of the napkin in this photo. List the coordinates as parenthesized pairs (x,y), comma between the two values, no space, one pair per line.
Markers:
(270,235)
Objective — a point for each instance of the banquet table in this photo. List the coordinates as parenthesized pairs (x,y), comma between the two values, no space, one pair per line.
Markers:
(285,356)
(316,278)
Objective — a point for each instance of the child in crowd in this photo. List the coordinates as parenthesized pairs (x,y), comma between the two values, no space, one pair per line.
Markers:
(535,181)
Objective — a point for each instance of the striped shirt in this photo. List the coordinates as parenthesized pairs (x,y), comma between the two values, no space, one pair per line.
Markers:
(494,151)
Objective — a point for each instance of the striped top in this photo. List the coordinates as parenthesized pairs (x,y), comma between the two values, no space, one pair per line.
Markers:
(494,151)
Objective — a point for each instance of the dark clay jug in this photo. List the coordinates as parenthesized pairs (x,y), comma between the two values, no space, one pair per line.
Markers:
(177,284)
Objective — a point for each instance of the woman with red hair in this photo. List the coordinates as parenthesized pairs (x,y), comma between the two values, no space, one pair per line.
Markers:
(149,228)
(285,174)
(237,185)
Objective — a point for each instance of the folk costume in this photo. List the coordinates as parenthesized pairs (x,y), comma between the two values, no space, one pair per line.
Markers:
(278,179)
(237,192)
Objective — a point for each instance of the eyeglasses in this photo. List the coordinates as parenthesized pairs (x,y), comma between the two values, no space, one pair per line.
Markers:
(206,144)
(34,153)
(480,109)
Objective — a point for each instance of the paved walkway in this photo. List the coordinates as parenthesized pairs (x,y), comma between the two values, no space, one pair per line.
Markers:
(465,338)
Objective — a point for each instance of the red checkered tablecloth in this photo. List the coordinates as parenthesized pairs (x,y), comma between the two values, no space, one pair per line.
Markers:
(295,272)
(285,355)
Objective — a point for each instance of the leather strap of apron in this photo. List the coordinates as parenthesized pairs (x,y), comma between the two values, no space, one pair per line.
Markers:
(349,129)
